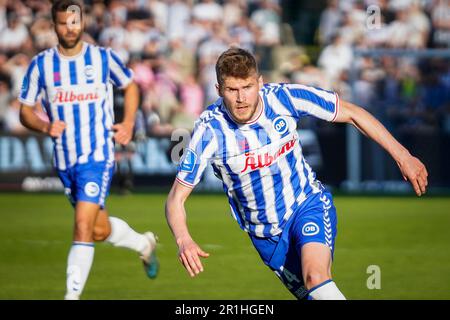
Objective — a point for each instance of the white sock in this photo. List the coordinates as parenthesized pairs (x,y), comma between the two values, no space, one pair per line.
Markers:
(123,236)
(79,264)
(326,291)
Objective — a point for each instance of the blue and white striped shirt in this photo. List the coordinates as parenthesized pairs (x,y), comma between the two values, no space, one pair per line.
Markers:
(78,91)
(261,165)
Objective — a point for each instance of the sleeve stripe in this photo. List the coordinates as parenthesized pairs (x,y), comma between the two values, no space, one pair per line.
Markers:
(104,65)
(184,183)
(26,102)
(41,68)
(27,80)
(120,75)
(202,147)
(119,63)
(116,79)
(336,107)
(313,98)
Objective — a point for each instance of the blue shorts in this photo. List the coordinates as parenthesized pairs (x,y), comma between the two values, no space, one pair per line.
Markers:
(314,221)
(88,182)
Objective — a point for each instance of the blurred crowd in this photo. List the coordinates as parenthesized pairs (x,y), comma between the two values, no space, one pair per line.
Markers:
(408,92)
(172,47)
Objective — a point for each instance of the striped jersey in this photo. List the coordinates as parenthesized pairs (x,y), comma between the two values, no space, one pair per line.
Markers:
(260,163)
(78,91)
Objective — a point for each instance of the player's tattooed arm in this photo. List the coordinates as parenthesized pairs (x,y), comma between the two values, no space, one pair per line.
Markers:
(189,252)
(412,169)
(124,130)
(30,120)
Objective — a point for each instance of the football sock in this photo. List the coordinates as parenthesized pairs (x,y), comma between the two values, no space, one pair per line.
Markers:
(79,264)
(123,236)
(327,290)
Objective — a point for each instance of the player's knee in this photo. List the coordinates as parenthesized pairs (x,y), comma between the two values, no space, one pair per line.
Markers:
(313,278)
(83,231)
(101,233)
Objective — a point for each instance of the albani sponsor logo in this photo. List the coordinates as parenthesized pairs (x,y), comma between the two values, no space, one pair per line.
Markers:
(64,96)
(257,161)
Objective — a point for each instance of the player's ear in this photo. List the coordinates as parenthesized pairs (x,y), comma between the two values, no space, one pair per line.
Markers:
(218,90)
(260,81)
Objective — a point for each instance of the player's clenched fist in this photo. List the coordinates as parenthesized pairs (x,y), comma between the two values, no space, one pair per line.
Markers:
(55,129)
(123,132)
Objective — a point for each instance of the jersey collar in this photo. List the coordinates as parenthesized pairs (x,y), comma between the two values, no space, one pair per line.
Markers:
(82,52)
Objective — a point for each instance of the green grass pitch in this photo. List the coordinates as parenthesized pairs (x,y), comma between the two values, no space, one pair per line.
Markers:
(408,238)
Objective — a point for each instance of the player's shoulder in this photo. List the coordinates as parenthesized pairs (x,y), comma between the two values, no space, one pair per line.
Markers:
(211,113)
(94,46)
(272,87)
(305,88)
(277,89)
(43,54)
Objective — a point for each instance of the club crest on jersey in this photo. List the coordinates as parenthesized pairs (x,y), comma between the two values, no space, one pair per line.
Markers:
(189,160)
(280,125)
(89,72)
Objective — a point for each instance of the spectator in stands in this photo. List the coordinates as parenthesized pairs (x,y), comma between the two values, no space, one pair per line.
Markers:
(330,19)
(5,96)
(15,37)
(12,118)
(178,17)
(441,23)
(43,35)
(420,24)
(335,58)
(16,67)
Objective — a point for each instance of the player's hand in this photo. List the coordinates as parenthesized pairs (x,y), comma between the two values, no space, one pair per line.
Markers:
(189,254)
(414,171)
(55,129)
(123,132)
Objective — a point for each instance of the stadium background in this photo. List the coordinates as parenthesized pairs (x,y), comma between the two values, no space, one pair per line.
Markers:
(391,57)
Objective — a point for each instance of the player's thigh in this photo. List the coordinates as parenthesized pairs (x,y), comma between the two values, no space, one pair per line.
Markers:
(67,179)
(316,224)
(93,182)
(290,273)
(314,234)
(85,217)
(282,257)
(315,262)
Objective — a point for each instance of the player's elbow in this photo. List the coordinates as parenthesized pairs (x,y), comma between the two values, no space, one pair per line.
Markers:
(24,115)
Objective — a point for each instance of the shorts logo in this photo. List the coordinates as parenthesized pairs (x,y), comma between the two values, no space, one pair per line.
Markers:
(189,160)
(89,72)
(310,229)
(91,189)
(280,125)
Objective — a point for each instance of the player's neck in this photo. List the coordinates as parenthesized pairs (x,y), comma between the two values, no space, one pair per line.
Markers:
(69,52)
